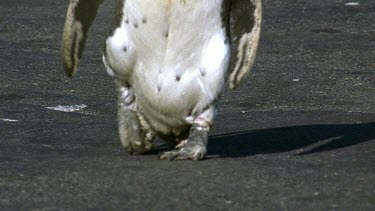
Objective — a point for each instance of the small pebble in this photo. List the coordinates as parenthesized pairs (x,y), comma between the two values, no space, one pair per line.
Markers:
(352,4)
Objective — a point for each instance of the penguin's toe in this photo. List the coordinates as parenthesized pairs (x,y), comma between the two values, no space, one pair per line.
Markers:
(189,152)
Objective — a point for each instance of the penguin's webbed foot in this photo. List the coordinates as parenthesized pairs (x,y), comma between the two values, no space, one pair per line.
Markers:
(194,148)
(135,133)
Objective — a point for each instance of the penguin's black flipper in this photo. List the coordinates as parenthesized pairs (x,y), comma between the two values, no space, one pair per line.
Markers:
(244,28)
(80,15)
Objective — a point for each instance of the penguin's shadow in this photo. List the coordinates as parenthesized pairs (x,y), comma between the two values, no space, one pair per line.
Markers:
(299,140)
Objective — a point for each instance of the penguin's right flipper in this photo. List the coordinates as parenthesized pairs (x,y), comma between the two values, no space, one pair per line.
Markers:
(80,15)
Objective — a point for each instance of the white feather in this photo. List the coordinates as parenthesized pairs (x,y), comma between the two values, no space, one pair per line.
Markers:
(178,61)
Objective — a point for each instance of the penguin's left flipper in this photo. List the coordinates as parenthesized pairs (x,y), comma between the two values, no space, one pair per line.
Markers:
(194,148)
(244,21)
(80,15)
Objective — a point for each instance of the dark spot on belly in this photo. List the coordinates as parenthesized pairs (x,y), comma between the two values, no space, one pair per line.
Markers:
(144,20)
(178,78)
(127,21)
(166,34)
(125,49)
(159,88)
(135,25)
(203,71)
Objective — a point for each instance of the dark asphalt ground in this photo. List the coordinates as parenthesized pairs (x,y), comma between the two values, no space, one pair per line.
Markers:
(299,135)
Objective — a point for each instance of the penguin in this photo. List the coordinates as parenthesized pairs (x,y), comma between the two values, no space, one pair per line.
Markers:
(170,60)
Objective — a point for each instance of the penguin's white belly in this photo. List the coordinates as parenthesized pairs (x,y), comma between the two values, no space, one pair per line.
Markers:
(174,55)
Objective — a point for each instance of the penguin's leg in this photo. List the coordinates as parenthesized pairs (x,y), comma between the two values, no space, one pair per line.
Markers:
(195,147)
(135,133)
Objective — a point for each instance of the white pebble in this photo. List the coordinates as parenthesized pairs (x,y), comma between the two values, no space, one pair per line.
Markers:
(67,108)
(352,4)
(9,120)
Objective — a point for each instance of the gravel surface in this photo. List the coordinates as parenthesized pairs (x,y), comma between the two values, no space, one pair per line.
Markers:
(299,135)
